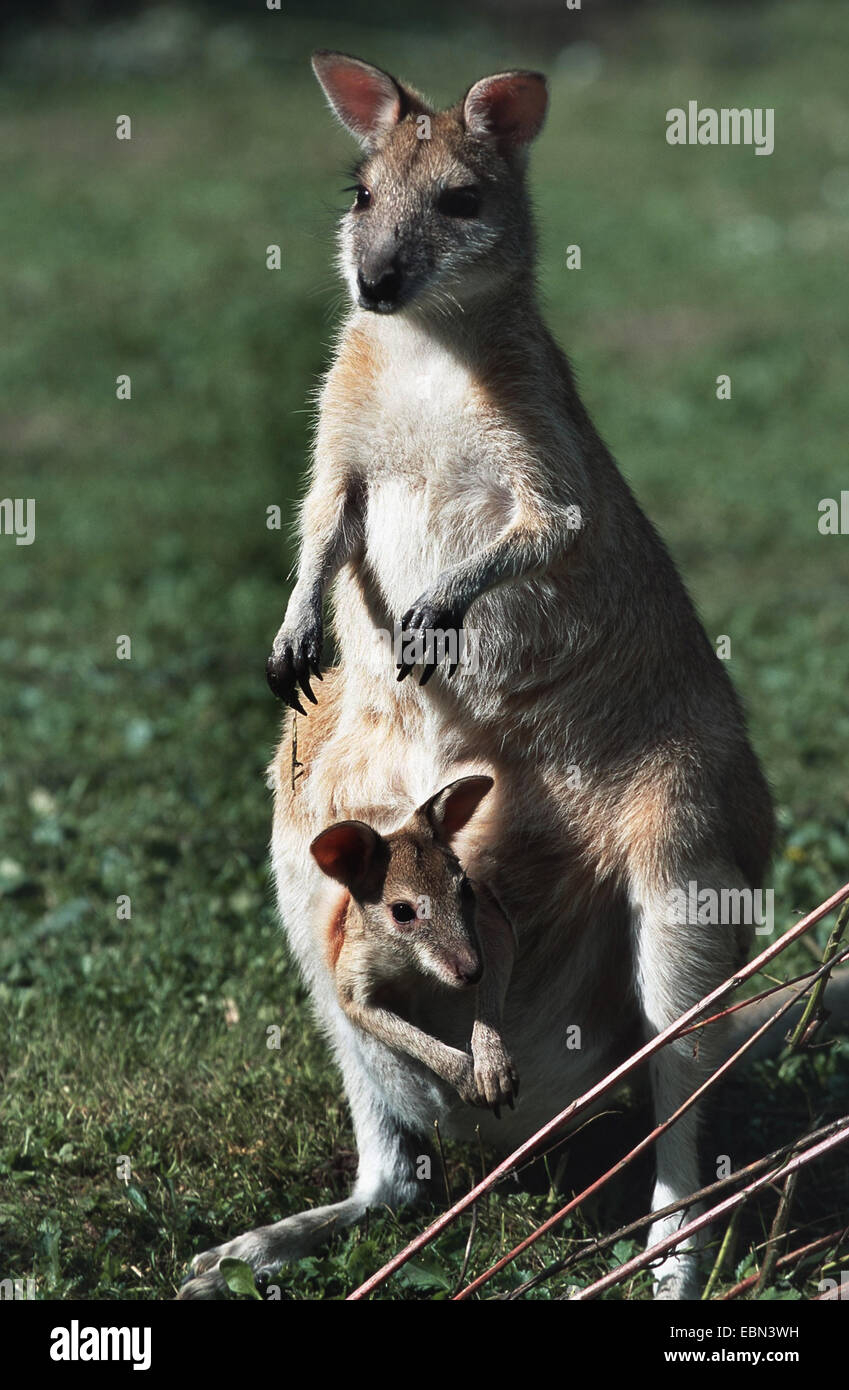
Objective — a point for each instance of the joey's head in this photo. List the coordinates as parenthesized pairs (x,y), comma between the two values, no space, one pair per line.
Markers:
(416,907)
(440,214)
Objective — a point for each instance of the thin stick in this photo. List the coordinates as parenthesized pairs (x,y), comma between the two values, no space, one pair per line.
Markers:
(295,763)
(722,1255)
(777,1232)
(613,1078)
(838,959)
(813,1013)
(473,1225)
(445,1178)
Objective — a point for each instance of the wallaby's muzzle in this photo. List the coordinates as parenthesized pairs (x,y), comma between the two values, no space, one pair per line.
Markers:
(380,287)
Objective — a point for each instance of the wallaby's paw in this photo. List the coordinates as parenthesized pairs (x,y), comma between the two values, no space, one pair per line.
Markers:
(496,1082)
(428,614)
(493,1080)
(294,661)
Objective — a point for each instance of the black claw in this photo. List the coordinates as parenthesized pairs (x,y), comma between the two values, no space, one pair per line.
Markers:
(278,671)
(511,1104)
(285,672)
(304,681)
(427,673)
(403,671)
(496,1110)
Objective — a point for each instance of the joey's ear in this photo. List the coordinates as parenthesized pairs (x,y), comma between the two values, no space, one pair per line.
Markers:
(345,851)
(508,108)
(454,806)
(367,100)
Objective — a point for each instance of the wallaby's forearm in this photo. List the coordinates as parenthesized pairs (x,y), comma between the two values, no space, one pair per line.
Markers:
(519,552)
(499,938)
(499,946)
(330,531)
(527,547)
(448,1062)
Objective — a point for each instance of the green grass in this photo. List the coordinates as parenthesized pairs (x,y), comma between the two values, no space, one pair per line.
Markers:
(145,777)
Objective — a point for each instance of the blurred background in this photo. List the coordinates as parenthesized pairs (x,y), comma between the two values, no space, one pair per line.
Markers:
(143,778)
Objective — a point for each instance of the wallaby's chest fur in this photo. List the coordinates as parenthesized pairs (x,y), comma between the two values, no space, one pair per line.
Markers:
(433,452)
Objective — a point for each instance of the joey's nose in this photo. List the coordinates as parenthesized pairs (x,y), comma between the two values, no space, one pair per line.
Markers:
(468,972)
(380,288)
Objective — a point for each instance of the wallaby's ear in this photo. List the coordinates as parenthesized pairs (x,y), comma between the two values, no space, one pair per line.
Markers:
(345,851)
(367,100)
(508,108)
(454,806)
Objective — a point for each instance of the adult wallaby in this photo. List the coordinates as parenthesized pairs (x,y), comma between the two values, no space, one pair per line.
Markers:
(411,939)
(458,479)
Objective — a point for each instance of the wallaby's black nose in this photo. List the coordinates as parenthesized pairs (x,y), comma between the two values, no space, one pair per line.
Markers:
(381,289)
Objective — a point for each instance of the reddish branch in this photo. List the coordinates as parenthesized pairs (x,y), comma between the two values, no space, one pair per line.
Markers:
(767,993)
(834,1238)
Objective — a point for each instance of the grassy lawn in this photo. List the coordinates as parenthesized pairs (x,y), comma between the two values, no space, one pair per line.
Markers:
(146,1036)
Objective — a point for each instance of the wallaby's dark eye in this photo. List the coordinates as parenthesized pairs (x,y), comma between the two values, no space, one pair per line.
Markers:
(403,912)
(363,197)
(459,202)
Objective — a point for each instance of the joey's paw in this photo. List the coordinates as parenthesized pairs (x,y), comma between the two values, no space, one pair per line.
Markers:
(295,660)
(496,1078)
(420,645)
(467,1088)
(491,1080)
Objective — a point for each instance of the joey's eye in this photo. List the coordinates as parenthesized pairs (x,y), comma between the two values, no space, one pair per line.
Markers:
(363,197)
(403,912)
(459,202)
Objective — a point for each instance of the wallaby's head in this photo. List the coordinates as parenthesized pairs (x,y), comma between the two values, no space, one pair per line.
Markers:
(415,906)
(441,212)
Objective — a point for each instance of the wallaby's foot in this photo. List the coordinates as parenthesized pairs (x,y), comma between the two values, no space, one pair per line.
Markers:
(295,659)
(678,1275)
(204,1279)
(268,1248)
(679,1278)
(430,614)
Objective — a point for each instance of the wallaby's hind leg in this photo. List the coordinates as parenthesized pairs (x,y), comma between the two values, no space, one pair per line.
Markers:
(386,1177)
(677,962)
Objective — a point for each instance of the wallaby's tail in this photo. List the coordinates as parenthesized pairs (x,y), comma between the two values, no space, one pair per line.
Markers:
(744,1023)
